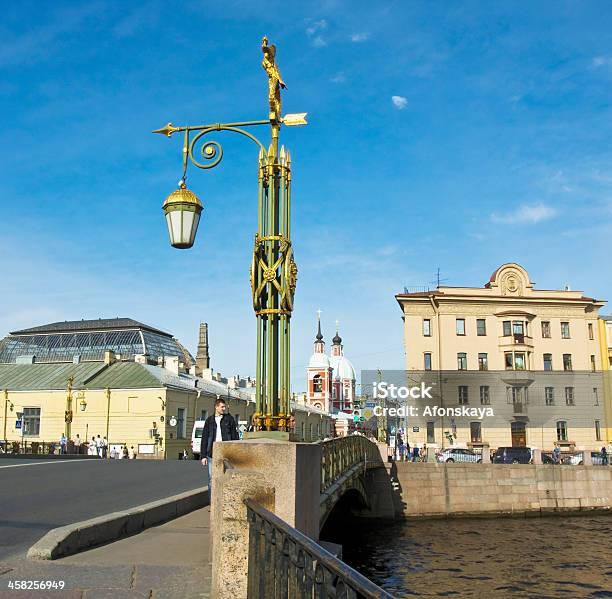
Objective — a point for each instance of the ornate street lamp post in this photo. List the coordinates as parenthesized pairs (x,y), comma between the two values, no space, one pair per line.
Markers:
(273,268)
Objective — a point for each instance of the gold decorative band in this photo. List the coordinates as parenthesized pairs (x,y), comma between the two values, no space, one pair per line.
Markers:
(273,311)
(273,238)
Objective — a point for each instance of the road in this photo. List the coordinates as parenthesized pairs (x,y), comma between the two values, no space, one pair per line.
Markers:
(38,495)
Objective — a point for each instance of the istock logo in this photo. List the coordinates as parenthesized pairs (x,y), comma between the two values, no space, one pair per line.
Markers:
(384,390)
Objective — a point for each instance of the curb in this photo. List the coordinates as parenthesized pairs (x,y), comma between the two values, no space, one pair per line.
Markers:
(76,537)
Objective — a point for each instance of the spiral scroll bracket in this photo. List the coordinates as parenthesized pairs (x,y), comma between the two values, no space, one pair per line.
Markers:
(212,151)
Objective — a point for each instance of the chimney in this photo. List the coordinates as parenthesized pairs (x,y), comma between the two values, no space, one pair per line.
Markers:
(202,357)
(172,364)
(109,357)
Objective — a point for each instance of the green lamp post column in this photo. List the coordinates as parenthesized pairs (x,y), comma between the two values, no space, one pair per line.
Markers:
(273,273)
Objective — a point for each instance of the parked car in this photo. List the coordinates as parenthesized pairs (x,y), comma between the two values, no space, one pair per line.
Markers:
(457,454)
(512,455)
(577,460)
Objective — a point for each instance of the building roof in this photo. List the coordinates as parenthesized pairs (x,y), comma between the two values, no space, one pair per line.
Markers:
(96,375)
(100,324)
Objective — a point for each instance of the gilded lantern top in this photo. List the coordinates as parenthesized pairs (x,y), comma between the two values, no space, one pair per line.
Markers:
(182,195)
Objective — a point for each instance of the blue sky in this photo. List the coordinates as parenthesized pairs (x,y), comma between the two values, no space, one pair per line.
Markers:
(458,135)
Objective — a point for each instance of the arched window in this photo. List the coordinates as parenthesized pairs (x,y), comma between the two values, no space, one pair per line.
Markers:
(317,383)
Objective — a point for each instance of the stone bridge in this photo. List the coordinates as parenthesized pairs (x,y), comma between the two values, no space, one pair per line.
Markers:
(299,484)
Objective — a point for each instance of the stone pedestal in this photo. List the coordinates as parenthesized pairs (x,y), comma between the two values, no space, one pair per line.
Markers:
(587,460)
(283,477)
(536,456)
(486,454)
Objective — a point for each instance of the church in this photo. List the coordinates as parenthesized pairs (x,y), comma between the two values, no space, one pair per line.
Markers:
(330,379)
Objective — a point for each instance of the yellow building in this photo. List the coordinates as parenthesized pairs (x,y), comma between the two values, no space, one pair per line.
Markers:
(533,356)
(69,378)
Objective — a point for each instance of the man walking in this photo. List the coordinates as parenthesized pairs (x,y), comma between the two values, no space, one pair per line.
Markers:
(77,444)
(219,426)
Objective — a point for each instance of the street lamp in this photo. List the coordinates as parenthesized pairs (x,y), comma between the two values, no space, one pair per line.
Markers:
(273,269)
(7,402)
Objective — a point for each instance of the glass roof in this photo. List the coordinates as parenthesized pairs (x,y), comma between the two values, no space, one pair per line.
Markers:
(90,346)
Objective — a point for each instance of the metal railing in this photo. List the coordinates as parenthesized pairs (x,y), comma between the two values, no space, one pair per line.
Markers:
(39,447)
(341,454)
(284,563)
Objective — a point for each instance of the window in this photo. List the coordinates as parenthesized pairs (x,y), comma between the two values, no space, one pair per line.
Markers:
(595,396)
(546,329)
(481,327)
(508,360)
(180,423)
(475,432)
(430,433)
(519,361)
(204,415)
(460,326)
(311,437)
(427,360)
(561,430)
(567,361)
(549,396)
(518,328)
(485,397)
(590,326)
(317,383)
(547,361)
(483,362)
(31,422)
(303,432)
(597,430)
(565,331)
(569,396)
(507,328)
(463,395)
(426,327)
(592,362)
(461,361)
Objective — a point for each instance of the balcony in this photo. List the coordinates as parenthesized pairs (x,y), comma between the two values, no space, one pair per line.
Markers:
(516,340)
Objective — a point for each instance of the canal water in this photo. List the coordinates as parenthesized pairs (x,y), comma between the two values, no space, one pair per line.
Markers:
(536,558)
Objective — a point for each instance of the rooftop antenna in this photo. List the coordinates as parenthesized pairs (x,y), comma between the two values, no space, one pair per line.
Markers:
(438,280)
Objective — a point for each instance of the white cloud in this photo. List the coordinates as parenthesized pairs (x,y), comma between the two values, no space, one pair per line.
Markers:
(339,78)
(399,102)
(602,61)
(526,214)
(314,32)
(316,27)
(359,37)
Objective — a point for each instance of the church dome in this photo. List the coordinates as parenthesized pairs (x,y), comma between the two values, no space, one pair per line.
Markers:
(318,361)
(343,369)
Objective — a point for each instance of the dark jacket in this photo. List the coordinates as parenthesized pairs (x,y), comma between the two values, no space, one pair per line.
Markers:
(229,432)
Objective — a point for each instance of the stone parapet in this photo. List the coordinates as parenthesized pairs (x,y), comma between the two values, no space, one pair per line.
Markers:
(443,490)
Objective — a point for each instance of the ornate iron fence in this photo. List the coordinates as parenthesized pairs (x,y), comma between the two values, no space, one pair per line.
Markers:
(339,455)
(284,563)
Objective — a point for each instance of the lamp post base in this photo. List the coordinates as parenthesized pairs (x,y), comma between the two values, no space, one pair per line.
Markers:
(272,435)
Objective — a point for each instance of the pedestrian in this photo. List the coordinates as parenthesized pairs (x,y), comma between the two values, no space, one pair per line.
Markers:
(63,441)
(604,456)
(99,445)
(185,455)
(125,453)
(132,453)
(104,447)
(402,451)
(219,426)
(113,452)
(92,449)
(77,444)
(415,453)
(407,455)
(557,454)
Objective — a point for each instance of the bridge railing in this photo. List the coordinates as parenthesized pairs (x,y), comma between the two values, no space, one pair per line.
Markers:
(285,563)
(342,453)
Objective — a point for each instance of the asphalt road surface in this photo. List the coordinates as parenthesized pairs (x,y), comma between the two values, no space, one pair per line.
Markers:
(38,495)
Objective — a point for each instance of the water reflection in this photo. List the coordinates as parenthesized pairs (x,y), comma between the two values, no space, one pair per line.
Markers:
(536,558)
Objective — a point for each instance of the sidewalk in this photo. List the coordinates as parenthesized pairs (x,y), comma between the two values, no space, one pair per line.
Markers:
(170,561)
